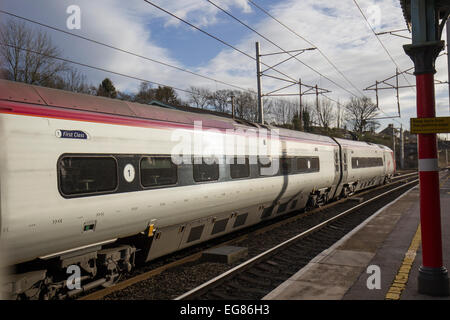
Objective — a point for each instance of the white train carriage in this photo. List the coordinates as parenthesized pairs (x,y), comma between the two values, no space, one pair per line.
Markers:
(365,165)
(83,178)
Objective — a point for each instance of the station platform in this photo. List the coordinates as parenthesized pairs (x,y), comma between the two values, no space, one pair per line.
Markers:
(387,244)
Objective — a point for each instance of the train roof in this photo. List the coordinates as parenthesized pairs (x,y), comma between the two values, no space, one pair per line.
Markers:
(32,94)
(353,143)
(25,93)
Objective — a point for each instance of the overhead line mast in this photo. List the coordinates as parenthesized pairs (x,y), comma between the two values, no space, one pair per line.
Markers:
(212,36)
(279,47)
(309,42)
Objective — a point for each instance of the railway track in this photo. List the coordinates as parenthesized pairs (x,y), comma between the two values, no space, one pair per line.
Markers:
(156,279)
(258,276)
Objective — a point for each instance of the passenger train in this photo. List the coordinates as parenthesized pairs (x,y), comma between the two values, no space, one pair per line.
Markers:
(92,182)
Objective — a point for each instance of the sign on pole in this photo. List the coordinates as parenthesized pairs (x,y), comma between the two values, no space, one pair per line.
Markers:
(430,125)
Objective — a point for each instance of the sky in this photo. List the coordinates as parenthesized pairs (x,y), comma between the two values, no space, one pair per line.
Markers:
(337,28)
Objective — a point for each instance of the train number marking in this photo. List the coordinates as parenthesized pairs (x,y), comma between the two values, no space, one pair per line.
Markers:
(57,221)
(129,173)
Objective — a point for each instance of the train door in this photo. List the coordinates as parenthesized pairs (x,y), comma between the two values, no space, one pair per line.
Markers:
(344,165)
(337,166)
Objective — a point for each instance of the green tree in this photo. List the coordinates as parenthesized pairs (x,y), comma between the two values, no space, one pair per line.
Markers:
(306,119)
(296,122)
(107,89)
(167,95)
(146,94)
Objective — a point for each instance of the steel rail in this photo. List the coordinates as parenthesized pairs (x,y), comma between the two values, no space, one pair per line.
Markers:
(193,257)
(263,255)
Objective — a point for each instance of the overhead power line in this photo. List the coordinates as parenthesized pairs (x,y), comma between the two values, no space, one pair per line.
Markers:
(387,116)
(93,67)
(124,51)
(276,45)
(309,42)
(214,37)
(381,42)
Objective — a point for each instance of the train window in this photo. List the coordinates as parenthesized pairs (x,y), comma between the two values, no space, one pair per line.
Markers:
(205,169)
(315,164)
(158,171)
(83,175)
(307,164)
(240,168)
(362,163)
(336,161)
(302,164)
(285,165)
(345,161)
(367,162)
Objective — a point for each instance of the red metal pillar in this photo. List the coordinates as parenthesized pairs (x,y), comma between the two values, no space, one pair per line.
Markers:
(426,44)
(430,209)
(433,276)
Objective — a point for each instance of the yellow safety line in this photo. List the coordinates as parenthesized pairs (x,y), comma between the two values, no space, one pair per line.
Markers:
(399,284)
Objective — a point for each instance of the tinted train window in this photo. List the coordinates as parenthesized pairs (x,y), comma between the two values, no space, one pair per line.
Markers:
(366,162)
(307,164)
(302,164)
(345,161)
(81,175)
(158,171)
(285,165)
(240,168)
(205,169)
(315,165)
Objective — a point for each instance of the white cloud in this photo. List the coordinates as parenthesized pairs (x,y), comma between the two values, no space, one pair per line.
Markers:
(336,27)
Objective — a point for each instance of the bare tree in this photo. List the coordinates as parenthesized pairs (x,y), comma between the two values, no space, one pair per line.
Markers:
(26,54)
(71,80)
(199,97)
(221,100)
(360,114)
(324,114)
(280,111)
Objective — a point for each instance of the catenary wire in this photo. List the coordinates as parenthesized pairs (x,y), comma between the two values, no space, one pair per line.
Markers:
(93,67)
(124,51)
(381,42)
(214,37)
(273,43)
(309,42)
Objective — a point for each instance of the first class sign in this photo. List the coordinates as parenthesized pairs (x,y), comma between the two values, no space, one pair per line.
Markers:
(71,134)
(430,125)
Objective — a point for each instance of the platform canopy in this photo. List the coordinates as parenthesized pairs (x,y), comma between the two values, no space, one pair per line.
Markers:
(441,5)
